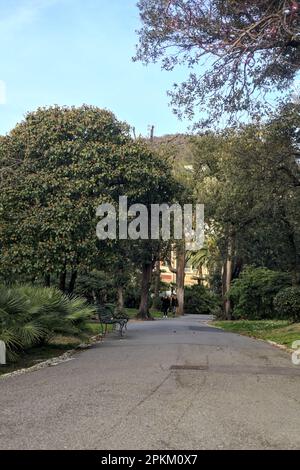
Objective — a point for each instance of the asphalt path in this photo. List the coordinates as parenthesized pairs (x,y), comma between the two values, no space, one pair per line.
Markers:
(169,384)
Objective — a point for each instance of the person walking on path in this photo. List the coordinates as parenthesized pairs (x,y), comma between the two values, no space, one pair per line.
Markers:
(165,306)
(174,304)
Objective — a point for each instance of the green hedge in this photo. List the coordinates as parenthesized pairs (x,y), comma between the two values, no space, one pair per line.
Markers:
(253,293)
(287,303)
(200,300)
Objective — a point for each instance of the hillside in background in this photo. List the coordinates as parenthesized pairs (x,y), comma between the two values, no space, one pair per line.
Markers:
(176,148)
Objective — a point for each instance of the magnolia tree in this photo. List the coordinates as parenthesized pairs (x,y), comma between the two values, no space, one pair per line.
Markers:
(57,167)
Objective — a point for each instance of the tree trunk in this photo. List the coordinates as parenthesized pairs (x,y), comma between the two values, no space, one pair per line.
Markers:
(228,275)
(156,300)
(223,274)
(62,281)
(180,275)
(144,303)
(120,301)
(200,276)
(72,282)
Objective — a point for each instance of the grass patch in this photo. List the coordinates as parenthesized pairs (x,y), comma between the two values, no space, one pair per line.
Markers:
(94,328)
(280,331)
(132,312)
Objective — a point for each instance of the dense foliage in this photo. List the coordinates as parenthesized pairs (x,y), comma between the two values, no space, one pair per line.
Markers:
(249,181)
(253,294)
(238,51)
(57,164)
(95,286)
(287,303)
(30,316)
(57,167)
(200,300)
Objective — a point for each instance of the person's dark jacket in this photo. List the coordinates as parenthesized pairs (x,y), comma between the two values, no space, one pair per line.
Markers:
(165,303)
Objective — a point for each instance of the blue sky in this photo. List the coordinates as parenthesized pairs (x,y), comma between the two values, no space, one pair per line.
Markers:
(70,52)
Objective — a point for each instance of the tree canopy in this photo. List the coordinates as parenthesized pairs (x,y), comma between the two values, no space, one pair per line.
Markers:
(249,182)
(58,166)
(239,51)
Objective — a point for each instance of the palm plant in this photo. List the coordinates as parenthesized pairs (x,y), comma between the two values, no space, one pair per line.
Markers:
(17,327)
(31,315)
(208,256)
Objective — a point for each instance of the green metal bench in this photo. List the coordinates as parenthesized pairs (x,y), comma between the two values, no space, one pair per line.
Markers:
(108,316)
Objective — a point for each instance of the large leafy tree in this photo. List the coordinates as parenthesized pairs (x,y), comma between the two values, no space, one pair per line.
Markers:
(58,166)
(249,181)
(238,50)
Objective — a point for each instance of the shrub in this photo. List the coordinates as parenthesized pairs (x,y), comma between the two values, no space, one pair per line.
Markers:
(200,300)
(132,296)
(253,293)
(287,303)
(32,315)
(95,286)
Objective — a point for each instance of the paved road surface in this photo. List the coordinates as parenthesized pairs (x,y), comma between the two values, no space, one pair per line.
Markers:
(233,393)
